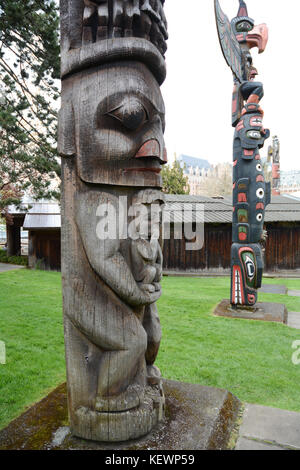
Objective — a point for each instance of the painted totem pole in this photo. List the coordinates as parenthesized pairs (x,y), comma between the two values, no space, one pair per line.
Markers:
(251,194)
(276,180)
(111,141)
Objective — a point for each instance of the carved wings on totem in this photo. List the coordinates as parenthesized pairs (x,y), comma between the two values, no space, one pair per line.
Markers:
(229,44)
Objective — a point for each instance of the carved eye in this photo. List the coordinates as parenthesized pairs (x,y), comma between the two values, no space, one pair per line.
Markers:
(260,193)
(259,167)
(132,114)
(244,27)
(254,135)
(259,217)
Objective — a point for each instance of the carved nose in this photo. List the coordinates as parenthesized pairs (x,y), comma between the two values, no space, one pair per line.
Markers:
(151,148)
(258,37)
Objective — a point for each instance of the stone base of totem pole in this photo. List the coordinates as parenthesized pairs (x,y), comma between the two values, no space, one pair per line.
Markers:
(264,311)
(121,426)
(197,418)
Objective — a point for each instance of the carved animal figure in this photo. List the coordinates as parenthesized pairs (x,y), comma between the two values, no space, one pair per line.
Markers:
(251,193)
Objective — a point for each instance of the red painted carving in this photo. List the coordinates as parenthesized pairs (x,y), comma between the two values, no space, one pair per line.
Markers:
(275,171)
(251,299)
(149,149)
(258,37)
(240,125)
(242,197)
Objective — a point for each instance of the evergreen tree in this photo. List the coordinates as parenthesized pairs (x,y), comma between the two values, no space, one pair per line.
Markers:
(29,65)
(174,180)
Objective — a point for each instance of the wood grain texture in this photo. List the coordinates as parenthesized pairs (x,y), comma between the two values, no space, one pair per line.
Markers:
(111,140)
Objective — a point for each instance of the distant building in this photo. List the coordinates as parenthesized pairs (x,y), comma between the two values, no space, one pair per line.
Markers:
(40,221)
(2,234)
(290,181)
(43,223)
(282,222)
(196,169)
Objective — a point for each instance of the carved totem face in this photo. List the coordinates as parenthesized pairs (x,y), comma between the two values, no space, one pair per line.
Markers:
(247,268)
(116,125)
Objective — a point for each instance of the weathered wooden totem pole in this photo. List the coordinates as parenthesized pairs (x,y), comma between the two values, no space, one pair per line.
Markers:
(111,141)
(251,194)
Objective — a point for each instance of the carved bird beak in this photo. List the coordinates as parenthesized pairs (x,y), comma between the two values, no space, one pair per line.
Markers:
(151,148)
(258,37)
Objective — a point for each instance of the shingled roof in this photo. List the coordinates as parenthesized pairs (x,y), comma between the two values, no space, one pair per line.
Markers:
(216,210)
(283,208)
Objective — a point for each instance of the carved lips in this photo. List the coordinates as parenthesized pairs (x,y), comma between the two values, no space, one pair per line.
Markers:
(258,37)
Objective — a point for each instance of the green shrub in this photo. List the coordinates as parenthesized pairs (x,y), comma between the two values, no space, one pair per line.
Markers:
(19,260)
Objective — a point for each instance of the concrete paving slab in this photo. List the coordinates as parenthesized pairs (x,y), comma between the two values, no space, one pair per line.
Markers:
(250,444)
(294,320)
(9,267)
(197,417)
(264,311)
(273,289)
(294,293)
(263,423)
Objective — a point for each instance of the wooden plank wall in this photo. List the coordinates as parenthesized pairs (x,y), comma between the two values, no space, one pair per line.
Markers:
(282,249)
(215,253)
(45,249)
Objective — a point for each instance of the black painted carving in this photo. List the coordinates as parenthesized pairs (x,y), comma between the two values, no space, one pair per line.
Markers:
(251,194)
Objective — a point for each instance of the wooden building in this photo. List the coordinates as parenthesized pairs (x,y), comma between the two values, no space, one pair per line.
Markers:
(282,247)
(43,224)
(282,222)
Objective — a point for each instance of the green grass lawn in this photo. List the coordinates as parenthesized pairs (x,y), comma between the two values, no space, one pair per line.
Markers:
(31,327)
(250,358)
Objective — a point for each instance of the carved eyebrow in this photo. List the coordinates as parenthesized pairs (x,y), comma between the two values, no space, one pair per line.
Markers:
(113,101)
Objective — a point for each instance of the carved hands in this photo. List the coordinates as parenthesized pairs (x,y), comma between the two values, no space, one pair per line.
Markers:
(105,255)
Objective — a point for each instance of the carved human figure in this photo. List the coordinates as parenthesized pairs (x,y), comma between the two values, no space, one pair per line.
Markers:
(147,259)
(111,140)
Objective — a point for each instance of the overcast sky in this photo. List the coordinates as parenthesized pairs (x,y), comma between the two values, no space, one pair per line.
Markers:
(198,88)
